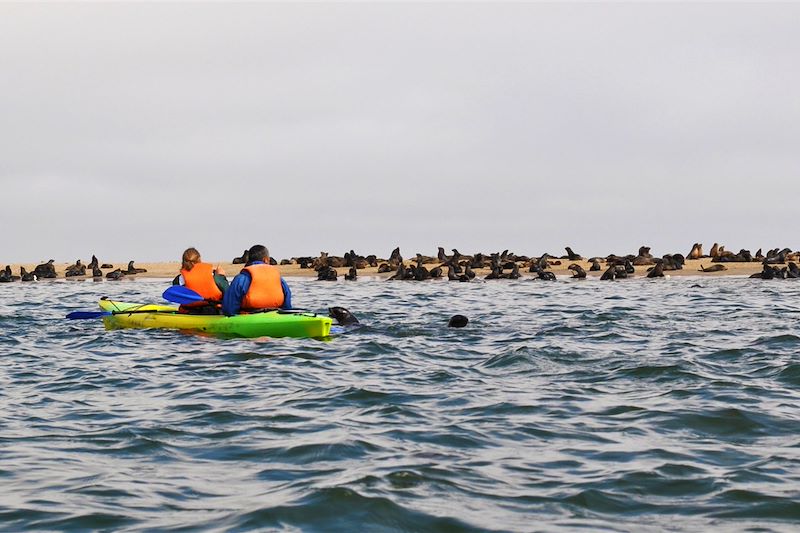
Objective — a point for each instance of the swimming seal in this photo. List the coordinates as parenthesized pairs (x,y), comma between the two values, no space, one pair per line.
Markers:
(457,321)
(342,316)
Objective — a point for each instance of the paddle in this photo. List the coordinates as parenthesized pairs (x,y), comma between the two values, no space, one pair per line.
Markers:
(181,295)
(84,315)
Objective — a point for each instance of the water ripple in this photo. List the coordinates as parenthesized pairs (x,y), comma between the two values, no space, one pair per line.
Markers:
(638,405)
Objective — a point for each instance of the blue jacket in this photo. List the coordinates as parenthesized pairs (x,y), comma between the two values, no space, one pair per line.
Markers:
(232,300)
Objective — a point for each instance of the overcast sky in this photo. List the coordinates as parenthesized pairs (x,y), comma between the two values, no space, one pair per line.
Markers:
(134,131)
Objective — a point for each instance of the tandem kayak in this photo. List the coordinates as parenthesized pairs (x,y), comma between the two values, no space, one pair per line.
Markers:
(267,324)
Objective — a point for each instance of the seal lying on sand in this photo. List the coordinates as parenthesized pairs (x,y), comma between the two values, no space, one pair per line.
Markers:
(610,273)
(657,271)
(713,268)
(115,275)
(696,252)
(133,270)
(579,272)
(75,270)
(45,270)
(327,274)
(243,259)
(25,275)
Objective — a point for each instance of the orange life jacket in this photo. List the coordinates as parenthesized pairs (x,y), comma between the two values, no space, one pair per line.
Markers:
(201,280)
(265,290)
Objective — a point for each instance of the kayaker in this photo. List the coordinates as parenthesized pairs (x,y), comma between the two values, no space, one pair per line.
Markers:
(203,279)
(258,286)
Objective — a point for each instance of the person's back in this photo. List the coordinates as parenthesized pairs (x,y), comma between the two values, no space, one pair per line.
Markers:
(259,286)
(202,279)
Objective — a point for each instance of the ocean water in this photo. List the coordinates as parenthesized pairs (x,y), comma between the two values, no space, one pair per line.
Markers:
(636,405)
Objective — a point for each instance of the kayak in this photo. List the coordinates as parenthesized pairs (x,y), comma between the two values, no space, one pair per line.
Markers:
(267,324)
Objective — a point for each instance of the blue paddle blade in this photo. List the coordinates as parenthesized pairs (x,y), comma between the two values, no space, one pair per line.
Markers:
(181,295)
(82,315)
(337,330)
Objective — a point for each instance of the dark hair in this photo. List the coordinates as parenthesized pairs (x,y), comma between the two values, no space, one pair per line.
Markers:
(258,252)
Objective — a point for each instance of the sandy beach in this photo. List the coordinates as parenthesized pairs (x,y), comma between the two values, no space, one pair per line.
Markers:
(171,269)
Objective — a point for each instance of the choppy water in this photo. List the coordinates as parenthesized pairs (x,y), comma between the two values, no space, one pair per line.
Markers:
(634,405)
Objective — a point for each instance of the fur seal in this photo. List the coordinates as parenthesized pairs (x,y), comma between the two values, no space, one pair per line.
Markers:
(352,275)
(96,272)
(657,271)
(133,270)
(115,275)
(545,275)
(713,268)
(457,321)
(395,258)
(578,271)
(106,265)
(610,273)
(595,266)
(514,274)
(242,259)
(572,256)
(75,270)
(46,270)
(25,275)
(342,316)
(327,274)
(696,252)
(494,274)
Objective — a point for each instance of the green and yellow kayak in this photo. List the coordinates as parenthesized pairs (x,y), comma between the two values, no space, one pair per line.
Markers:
(267,324)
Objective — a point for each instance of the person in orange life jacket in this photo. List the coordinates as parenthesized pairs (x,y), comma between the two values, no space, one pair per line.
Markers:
(258,286)
(204,280)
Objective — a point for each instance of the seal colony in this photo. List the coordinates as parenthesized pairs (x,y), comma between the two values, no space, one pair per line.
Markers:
(775,263)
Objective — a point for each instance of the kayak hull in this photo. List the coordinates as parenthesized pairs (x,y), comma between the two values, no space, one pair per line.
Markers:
(268,324)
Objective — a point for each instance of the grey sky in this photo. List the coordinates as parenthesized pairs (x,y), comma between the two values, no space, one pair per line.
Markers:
(135,130)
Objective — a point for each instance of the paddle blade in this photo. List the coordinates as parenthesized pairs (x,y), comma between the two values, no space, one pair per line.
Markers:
(83,315)
(181,295)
